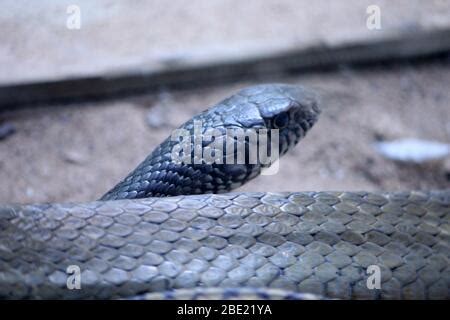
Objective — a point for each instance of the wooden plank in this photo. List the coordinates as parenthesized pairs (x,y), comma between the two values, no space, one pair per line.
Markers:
(188,74)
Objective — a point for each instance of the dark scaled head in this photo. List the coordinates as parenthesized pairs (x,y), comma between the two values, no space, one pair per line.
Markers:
(291,109)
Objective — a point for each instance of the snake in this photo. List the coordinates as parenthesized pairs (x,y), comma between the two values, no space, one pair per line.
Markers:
(174,227)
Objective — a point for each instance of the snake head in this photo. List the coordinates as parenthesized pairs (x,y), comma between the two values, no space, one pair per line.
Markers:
(250,114)
(291,109)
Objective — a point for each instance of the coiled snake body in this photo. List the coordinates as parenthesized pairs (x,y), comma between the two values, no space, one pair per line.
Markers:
(266,245)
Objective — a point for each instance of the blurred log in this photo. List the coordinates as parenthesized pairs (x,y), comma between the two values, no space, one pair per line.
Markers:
(191,73)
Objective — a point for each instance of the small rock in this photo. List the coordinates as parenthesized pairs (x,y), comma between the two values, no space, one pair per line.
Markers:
(158,116)
(413,150)
(156,119)
(6,129)
(29,192)
(74,157)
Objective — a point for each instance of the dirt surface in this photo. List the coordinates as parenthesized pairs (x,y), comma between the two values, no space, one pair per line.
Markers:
(119,35)
(77,152)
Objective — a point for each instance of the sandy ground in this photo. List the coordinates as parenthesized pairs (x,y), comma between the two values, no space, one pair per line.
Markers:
(77,152)
(117,35)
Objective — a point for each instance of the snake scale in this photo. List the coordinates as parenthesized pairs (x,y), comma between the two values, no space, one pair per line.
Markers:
(172,229)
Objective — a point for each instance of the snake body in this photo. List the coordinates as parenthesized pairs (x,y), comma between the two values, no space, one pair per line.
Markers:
(265,245)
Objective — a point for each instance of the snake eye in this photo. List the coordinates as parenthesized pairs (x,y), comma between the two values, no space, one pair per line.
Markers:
(281,121)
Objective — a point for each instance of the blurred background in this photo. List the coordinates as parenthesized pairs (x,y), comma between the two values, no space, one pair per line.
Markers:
(87,89)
